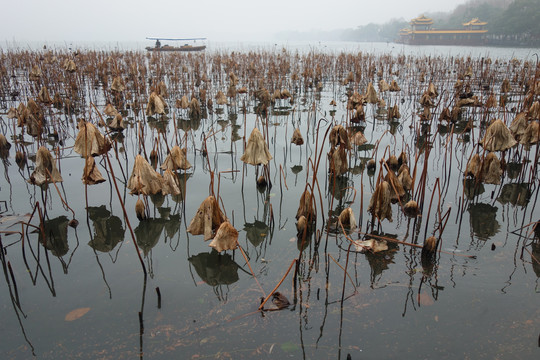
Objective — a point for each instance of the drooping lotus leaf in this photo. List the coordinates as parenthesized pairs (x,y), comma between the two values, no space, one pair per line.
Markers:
(45,171)
(156,105)
(338,161)
(118,84)
(256,152)
(226,238)
(491,169)
(347,219)
(339,137)
(306,207)
(498,137)
(176,160)
(144,179)
(170,183)
(90,141)
(371,94)
(297,138)
(207,219)
(91,174)
(380,203)
(531,135)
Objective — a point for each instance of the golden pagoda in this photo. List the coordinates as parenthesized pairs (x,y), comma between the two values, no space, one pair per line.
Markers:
(422,32)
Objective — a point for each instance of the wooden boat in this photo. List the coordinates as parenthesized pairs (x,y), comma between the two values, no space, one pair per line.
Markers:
(185,47)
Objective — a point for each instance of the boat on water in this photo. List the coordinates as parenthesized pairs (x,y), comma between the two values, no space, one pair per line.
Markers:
(186,47)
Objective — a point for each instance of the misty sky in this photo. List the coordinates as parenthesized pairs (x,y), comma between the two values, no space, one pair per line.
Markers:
(99,20)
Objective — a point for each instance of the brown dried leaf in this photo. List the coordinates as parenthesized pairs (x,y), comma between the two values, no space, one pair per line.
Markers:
(76,314)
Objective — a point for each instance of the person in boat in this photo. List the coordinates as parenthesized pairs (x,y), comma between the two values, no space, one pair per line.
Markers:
(158,44)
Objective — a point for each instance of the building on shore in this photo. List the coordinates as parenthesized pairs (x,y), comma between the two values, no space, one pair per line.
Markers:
(422,32)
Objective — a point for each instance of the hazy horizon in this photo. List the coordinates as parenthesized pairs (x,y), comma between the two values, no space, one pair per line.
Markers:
(237,20)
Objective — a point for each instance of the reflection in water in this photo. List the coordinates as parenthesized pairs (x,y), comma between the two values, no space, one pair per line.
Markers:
(379,261)
(515,194)
(172,225)
(56,239)
(108,230)
(472,188)
(256,232)
(337,186)
(148,233)
(216,269)
(513,169)
(483,219)
(186,125)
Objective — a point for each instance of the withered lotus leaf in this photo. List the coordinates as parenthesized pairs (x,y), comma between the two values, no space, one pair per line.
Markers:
(393,112)
(117,123)
(531,134)
(380,203)
(358,139)
(256,150)
(118,84)
(519,124)
(432,90)
(12,113)
(371,94)
(156,105)
(491,169)
(90,141)
(396,187)
(338,161)
(45,171)
(338,137)
(4,143)
(226,238)
(170,183)
(297,138)
(207,219)
(76,314)
(35,73)
(91,174)
(194,109)
(383,86)
(144,179)
(306,208)
(371,245)
(347,218)
(405,178)
(394,86)
(69,66)
(44,96)
(110,110)
(184,102)
(474,166)
(498,137)
(221,99)
(176,160)
(140,210)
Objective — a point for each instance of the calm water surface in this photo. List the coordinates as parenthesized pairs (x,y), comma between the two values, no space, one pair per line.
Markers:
(479,300)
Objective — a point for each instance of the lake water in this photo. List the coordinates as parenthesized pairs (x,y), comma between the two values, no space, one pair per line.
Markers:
(84,295)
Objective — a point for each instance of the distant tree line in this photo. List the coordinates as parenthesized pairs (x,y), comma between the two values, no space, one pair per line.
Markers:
(510,21)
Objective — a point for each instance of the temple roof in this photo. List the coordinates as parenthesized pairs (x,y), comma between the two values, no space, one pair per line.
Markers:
(421,20)
(475,22)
